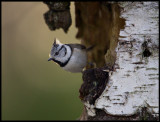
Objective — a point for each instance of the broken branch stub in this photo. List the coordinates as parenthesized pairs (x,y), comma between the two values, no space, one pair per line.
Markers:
(94,82)
(58,16)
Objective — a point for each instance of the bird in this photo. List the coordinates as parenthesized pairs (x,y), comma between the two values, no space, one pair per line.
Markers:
(71,57)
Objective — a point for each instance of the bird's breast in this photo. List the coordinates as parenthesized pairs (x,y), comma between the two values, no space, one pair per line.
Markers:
(77,61)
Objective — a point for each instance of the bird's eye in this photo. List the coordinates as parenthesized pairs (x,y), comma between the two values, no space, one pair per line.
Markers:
(56,53)
(55,45)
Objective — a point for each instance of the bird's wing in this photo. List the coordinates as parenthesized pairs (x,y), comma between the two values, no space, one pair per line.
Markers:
(78,46)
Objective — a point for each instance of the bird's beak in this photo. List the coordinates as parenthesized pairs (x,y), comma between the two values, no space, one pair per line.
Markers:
(50,59)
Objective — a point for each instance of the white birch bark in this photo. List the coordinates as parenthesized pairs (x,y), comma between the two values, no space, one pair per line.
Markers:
(135,81)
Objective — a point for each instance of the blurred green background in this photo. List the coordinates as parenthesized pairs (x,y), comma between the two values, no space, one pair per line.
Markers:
(32,87)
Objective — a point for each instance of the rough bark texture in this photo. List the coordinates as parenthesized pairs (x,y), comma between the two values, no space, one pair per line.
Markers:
(94,82)
(58,15)
(126,39)
(99,24)
(123,82)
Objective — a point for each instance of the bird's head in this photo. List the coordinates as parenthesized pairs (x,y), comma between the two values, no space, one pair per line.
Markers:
(58,52)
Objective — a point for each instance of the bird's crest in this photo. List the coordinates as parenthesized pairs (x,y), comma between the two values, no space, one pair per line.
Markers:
(56,41)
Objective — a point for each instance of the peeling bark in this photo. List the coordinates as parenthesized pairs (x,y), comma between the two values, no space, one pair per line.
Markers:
(126,39)
(123,82)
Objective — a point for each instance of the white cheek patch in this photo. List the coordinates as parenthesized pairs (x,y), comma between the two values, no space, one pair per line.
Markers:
(68,54)
(63,52)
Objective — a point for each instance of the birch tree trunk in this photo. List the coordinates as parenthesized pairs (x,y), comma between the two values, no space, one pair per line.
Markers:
(124,84)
